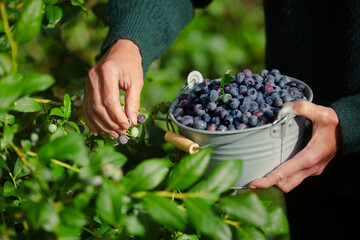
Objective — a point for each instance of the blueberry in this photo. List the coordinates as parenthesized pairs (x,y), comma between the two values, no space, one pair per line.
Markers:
(258,113)
(241,126)
(187,121)
(275,71)
(244,107)
(253,106)
(270,78)
(247,72)
(234,91)
(52,128)
(269,114)
(81,128)
(240,77)
(269,100)
(268,88)
(264,73)
(216,120)
(249,81)
(178,112)
(294,92)
(211,127)
(214,95)
(199,124)
(252,93)
(122,139)
(236,113)
(278,102)
(206,117)
(242,89)
(287,98)
(301,87)
(228,120)
(199,110)
(253,120)
(184,103)
(264,107)
(231,128)
(234,103)
(221,128)
(211,106)
(244,119)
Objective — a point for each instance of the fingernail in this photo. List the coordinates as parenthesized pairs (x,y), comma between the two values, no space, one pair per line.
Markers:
(134,118)
(252,187)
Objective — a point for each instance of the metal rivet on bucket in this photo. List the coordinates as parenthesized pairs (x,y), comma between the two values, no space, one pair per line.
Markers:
(260,148)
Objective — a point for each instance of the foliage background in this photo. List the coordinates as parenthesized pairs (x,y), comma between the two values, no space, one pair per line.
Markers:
(228,35)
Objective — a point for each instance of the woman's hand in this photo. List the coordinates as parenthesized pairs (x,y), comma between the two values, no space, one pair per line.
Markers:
(119,67)
(312,160)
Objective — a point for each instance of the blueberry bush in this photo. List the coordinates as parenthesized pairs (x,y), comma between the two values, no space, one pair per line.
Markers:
(58,181)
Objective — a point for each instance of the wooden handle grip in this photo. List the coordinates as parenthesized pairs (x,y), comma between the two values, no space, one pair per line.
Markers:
(181,142)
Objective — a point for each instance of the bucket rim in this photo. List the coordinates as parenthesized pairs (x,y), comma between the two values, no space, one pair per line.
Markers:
(269,125)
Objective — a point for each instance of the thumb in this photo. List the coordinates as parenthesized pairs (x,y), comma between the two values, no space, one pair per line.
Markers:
(304,108)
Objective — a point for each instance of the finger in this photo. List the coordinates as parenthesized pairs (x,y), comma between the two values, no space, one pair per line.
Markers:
(97,122)
(306,109)
(110,91)
(88,120)
(132,100)
(98,108)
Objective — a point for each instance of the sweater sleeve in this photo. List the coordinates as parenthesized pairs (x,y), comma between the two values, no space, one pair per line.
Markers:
(348,111)
(152,25)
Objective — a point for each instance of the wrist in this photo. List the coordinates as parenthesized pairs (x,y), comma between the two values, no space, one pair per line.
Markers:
(126,45)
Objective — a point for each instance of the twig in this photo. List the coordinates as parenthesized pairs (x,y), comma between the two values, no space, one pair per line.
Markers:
(13,44)
(65,165)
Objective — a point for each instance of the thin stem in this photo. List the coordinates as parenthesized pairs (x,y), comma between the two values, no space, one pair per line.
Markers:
(47,101)
(91,232)
(174,195)
(13,44)
(65,165)
(232,223)
(25,162)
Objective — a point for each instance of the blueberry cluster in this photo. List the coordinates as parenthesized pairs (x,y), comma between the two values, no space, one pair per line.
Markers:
(237,102)
(133,131)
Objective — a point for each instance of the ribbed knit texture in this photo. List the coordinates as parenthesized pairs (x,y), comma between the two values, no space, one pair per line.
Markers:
(318,41)
(152,25)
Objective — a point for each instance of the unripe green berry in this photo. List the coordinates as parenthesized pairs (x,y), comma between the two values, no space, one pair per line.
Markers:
(52,128)
(134,132)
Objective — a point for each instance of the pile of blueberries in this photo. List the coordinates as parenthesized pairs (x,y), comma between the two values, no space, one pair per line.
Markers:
(242,101)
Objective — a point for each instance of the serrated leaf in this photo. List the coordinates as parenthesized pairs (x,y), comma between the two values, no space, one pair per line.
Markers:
(147,175)
(26,104)
(37,82)
(277,223)
(53,14)
(165,212)
(221,178)
(57,112)
(189,170)
(245,207)
(29,23)
(201,216)
(67,106)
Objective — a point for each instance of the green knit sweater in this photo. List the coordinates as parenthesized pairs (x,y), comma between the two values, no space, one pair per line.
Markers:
(315,41)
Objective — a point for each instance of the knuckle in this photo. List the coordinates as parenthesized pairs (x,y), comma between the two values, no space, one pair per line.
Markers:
(110,102)
(98,108)
(108,65)
(92,73)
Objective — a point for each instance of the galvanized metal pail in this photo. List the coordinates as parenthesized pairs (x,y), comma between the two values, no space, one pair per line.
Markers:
(261,149)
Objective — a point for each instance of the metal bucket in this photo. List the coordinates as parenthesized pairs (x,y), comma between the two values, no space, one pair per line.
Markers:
(260,148)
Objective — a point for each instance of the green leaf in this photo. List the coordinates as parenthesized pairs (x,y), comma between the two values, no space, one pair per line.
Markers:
(79,3)
(26,104)
(5,64)
(10,90)
(29,23)
(221,178)
(245,207)
(57,112)
(53,14)
(165,212)
(72,216)
(109,203)
(20,169)
(225,79)
(134,226)
(25,144)
(3,164)
(42,215)
(147,175)
(68,147)
(246,232)
(67,106)
(8,135)
(51,2)
(37,82)
(107,155)
(74,125)
(8,118)
(189,170)
(277,223)
(9,190)
(205,221)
